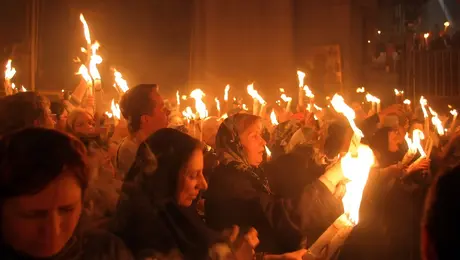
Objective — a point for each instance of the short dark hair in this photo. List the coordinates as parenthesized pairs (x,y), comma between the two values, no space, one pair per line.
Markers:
(22,110)
(25,167)
(440,219)
(137,102)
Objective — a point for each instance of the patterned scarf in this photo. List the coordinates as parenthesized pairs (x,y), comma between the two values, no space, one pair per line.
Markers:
(231,151)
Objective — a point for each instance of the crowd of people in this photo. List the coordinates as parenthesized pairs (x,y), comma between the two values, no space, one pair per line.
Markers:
(75,185)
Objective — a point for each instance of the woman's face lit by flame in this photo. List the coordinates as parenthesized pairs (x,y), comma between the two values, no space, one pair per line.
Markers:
(394,140)
(84,124)
(40,225)
(253,143)
(191,180)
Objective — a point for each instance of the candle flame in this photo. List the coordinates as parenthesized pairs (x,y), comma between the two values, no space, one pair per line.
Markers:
(227,89)
(120,81)
(200,106)
(406,101)
(308,92)
(426,35)
(85,29)
(108,114)
(245,107)
(417,136)
(301,78)
(285,98)
(188,113)
(436,122)
(282,90)
(13,86)
(10,71)
(453,112)
(410,144)
(269,153)
(217,104)
(115,110)
(23,89)
(341,107)
(254,94)
(360,90)
(95,60)
(423,103)
(177,98)
(371,98)
(398,92)
(273,118)
(317,107)
(83,71)
(446,24)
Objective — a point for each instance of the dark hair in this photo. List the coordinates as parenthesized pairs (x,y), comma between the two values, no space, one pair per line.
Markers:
(440,219)
(22,110)
(57,108)
(137,102)
(169,149)
(33,157)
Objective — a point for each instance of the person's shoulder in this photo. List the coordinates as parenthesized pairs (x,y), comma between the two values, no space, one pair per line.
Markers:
(100,244)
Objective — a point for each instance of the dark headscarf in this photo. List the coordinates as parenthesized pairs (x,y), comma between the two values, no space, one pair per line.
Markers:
(148,216)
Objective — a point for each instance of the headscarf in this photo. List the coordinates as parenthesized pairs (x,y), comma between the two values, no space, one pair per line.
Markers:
(231,151)
(228,145)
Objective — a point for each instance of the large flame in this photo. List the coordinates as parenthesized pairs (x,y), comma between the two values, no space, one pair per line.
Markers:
(200,106)
(339,105)
(227,89)
(356,169)
(120,81)
(254,94)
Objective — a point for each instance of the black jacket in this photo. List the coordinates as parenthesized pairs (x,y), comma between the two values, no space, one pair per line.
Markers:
(236,197)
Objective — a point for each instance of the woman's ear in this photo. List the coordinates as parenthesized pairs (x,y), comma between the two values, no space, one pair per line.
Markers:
(144,119)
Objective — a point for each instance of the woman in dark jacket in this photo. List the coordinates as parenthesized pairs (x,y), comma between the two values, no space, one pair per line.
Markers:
(239,193)
(41,196)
